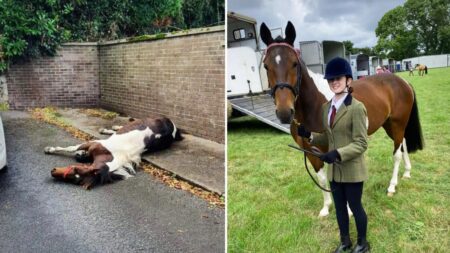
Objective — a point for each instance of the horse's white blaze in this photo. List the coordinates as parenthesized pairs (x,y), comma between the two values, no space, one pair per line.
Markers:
(321,84)
(278,59)
(322,176)
(408,166)
(394,179)
(367,122)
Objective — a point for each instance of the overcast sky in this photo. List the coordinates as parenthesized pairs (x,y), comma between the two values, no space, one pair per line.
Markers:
(354,20)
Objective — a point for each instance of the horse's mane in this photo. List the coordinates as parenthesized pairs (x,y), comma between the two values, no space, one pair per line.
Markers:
(279,39)
(321,84)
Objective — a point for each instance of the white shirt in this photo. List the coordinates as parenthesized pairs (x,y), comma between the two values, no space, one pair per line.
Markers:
(336,104)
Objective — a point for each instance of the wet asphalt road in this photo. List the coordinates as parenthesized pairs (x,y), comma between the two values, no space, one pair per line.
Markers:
(38,214)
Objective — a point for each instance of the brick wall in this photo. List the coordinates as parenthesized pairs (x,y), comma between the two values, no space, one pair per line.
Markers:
(179,77)
(69,79)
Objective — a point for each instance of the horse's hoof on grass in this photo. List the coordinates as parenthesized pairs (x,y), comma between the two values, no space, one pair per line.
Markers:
(323,214)
(390,194)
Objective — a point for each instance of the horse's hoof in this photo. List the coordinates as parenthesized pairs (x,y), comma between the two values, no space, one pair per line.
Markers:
(390,194)
(407,175)
(47,150)
(323,213)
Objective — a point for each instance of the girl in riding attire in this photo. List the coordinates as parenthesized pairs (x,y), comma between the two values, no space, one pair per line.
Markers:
(345,124)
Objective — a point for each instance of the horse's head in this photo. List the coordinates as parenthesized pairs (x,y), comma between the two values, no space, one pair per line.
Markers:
(78,174)
(283,70)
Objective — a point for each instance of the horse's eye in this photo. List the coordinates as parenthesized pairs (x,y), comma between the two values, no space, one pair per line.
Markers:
(294,65)
(265,66)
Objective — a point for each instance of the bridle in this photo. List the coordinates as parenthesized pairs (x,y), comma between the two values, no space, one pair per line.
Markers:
(68,170)
(296,89)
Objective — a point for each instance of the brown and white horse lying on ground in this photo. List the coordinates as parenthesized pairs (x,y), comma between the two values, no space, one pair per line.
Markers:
(117,156)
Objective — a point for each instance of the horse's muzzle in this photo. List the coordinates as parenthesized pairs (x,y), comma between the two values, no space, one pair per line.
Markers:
(285,116)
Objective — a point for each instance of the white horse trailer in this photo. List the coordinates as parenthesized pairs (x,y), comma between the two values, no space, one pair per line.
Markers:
(374,62)
(316,55)
(247,83)
(360,65)
(391,65)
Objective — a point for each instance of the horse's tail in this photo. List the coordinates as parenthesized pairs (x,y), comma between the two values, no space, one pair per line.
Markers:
(413,131)
(426,69)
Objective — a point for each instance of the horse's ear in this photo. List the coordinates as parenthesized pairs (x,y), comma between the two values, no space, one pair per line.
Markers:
(290,33)
(266,35)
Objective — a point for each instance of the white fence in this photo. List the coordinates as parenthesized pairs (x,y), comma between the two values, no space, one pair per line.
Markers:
(432,61)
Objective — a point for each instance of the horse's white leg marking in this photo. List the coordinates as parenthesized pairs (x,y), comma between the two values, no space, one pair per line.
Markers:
(350,213)
(60,150)
(278,59)
(322,176)
(408,166)
(116,128)
(106,131)
(394,179)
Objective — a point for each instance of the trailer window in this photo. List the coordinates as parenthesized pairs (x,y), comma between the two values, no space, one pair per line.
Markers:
(239,34)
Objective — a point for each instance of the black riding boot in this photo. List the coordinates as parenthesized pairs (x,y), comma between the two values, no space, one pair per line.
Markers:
(362,246)
(346,244)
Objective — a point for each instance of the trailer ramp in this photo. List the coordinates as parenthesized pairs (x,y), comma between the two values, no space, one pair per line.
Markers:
(261,107)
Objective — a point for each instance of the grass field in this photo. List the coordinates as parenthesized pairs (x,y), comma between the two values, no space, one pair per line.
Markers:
(273,205)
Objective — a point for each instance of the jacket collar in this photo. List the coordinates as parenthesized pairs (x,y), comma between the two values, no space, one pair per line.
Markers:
(348,100)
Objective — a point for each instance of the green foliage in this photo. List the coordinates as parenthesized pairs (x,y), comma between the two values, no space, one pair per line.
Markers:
(29,29)
(198,13)
(114,19)
(349,49)
(419,27)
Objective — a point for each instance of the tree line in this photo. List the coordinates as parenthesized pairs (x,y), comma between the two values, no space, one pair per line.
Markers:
(418,27)
(30,28)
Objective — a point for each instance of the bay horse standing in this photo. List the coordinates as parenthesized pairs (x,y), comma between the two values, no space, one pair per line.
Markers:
(423,69)
(390,102)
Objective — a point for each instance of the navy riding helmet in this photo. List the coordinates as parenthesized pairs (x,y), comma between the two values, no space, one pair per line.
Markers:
(337,67)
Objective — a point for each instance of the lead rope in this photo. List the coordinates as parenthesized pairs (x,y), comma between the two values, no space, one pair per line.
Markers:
(309,173)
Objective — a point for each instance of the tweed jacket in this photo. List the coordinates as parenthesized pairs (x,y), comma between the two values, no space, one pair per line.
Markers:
(348,136)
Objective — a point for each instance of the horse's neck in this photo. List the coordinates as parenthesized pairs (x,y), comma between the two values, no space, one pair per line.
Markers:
(314,92)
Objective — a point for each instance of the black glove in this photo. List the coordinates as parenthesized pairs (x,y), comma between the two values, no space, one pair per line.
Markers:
(301,131)
(330,157)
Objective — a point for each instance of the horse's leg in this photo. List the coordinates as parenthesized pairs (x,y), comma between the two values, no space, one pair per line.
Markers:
(106,131)
(320,170)
(80,150)
(395,130)
(111,131)
(394,180)
(322,177)
(408,166)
